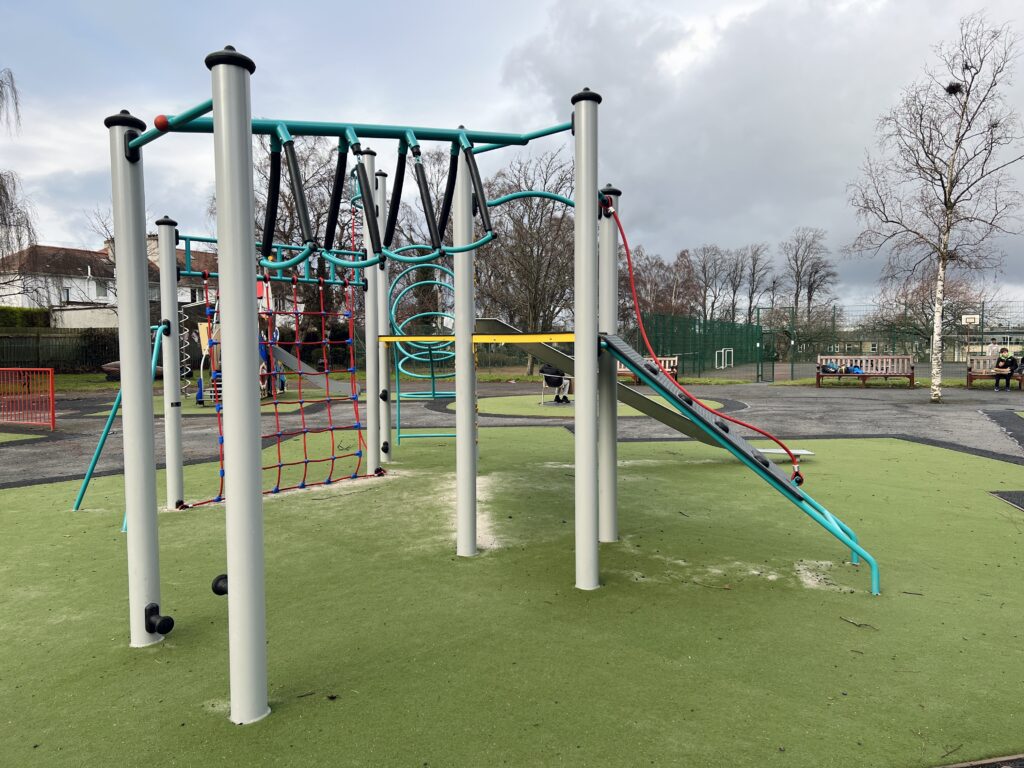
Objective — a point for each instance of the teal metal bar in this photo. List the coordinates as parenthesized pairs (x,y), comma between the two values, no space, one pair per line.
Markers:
(530,193)
(173,122)
(110,423)
(528,136)
(365,131)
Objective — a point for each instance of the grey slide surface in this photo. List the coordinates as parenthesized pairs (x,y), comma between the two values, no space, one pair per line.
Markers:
(313,379)
(626,394)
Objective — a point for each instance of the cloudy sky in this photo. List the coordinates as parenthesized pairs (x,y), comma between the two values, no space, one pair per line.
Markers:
(728,121)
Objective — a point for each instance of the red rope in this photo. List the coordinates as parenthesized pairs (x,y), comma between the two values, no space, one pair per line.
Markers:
(797,476)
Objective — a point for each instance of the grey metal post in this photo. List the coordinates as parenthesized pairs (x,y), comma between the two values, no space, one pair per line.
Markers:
(585,347)
(240,364)
(132,277)
(372,325)
(380,196)
(607,418)
(167,251)
(465,367)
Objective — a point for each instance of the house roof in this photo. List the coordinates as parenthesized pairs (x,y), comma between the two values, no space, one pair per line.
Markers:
(79,262)
(56,260)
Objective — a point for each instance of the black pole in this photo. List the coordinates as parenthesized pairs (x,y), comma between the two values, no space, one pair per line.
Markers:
(301,209)
(396,200)
(449,193)
(336,190)
(478,188)
(428,206)
(273,194)
(369,207)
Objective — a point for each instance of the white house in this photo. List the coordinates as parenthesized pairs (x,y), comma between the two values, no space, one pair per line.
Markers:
(78,285)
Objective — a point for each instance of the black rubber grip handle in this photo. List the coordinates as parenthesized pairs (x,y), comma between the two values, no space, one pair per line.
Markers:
(428,207)
(336,190)
(301,209)
(273,194)
(478,188)
(369,207)
(396,201)
(449,194)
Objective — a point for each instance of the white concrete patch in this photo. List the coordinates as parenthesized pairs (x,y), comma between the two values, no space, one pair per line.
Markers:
(486,538)
(813,574)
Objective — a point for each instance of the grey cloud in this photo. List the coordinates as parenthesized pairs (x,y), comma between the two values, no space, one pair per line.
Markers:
(761,136)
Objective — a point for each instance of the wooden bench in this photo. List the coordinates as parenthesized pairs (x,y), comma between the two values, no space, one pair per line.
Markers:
(670,363)
(873,367)
(983,368)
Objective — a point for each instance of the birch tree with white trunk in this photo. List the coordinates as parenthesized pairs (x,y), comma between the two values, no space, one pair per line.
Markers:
(938,193)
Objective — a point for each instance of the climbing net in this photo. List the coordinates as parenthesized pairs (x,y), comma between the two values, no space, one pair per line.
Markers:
(309,396)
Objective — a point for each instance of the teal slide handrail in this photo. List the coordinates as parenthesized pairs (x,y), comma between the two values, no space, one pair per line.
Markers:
(110,420)
(799,498)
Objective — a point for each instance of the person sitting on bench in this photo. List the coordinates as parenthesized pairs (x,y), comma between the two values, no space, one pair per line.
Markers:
(557,380)
(1006,365)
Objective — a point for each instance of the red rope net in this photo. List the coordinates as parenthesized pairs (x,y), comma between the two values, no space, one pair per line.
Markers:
(304,402)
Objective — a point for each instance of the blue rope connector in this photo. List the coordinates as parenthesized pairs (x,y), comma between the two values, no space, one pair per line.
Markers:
(275,489)
(354,475)
(218,498)
(220,440)
(222,473)
(358,454)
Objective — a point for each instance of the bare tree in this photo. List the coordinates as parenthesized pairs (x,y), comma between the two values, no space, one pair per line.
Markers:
(804,260)
(10,101)
(708,274)
(17,219)
(527,276)
(758,274)
(735,271)
(938,191)
(820,279)
(906,310)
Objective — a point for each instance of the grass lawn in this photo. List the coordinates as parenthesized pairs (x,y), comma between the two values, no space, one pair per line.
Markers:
(9,437)
(530,405)
(64,383)
(729,631)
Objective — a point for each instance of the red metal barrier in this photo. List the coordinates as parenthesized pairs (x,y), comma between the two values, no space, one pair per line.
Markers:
(26,396)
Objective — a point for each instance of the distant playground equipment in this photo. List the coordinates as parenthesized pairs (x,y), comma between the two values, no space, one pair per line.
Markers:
(723,358)
(593,364)
(430,360)
(27,397)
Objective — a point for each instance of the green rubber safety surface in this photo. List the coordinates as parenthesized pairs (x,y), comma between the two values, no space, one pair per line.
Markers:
(728,631)
(530,405)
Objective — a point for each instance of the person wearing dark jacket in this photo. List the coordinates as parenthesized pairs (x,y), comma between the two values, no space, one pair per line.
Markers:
(557,380)
(1006,364)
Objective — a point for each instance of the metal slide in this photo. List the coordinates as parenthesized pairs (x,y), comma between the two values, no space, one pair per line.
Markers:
(626,394)
(723,433)
(313,379)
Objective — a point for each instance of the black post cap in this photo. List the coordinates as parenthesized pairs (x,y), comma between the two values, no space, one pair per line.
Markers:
(125,118)
(369,152)
(608,190)
(166,220)
(230,56)
(381,173)
(586,95)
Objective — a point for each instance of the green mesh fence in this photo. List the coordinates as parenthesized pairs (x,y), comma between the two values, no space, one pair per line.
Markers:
(703,346)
